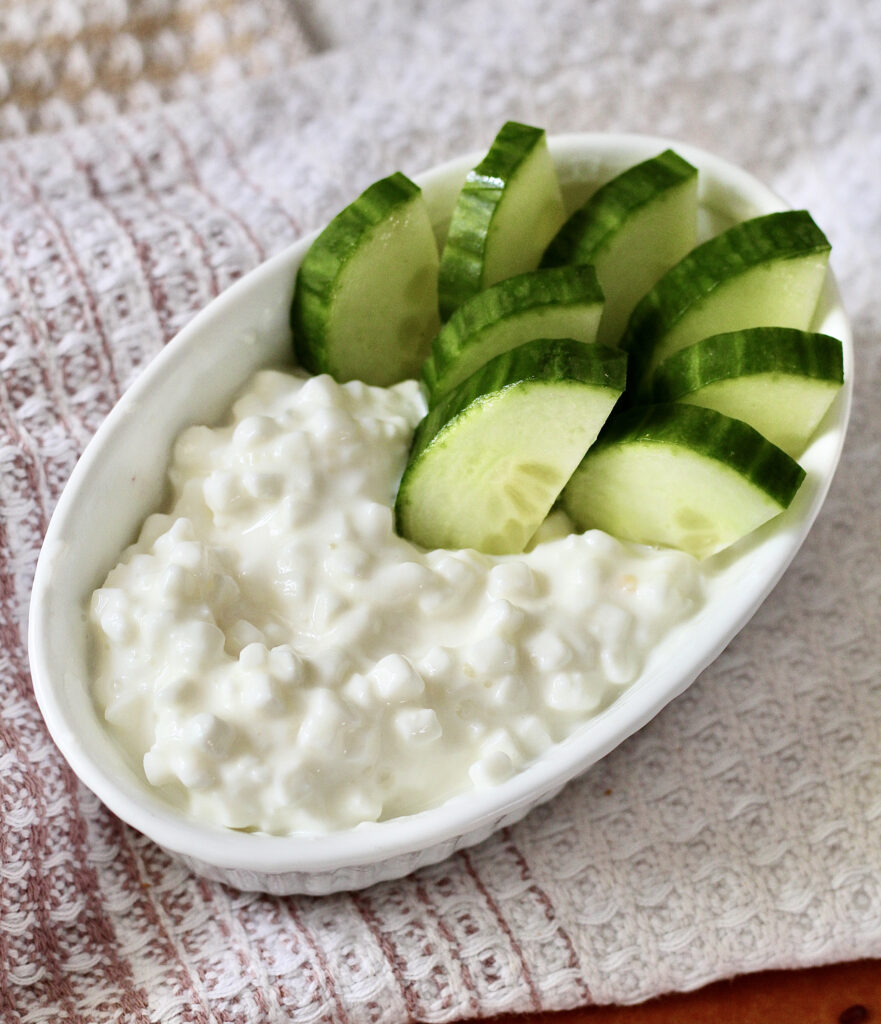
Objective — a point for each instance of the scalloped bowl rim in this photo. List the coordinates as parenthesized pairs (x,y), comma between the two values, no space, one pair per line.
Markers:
(375,843)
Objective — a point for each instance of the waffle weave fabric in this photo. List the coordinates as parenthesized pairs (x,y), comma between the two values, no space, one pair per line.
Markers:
(740,829)
(63,62)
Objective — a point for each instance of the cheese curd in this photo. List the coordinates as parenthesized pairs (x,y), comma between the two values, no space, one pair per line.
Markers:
(274,657)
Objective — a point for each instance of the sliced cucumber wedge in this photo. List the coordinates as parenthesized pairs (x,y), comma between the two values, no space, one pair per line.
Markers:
(489,460)
(509,208)
(560,302)
(632,230)
(779,380)
(763,272)
(365,302)
(680,476)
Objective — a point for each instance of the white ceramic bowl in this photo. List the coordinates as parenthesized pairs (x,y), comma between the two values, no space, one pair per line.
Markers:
(120,479)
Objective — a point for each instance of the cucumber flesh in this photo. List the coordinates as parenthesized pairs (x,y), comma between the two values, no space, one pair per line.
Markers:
(489,460)
(763,272)
(561,302)
(680,476)
(365,302)
(633,229)
(778,380)
(508,210)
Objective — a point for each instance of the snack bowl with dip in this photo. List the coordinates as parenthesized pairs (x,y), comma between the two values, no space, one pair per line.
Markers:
(121,479)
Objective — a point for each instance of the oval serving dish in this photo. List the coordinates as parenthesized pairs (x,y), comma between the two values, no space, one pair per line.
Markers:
(120,479)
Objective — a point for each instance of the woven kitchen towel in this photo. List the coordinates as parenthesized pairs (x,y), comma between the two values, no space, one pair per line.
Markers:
(742,828)
(67,61)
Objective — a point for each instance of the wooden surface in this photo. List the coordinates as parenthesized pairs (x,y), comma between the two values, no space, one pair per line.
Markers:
(838,994)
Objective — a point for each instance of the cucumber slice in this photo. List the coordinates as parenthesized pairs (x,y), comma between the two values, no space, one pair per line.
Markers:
(779,380)
(489,460)
(632,230)
(680,476)
(761,273)
(365,303)
(561,302)
(509,208)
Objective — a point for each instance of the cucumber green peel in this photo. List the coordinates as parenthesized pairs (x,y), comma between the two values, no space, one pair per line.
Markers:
(682,476)
(508,210)
(779,380)
(632,229)
(596,222)
(365,302)
(559,302)
(489,460)
(762,272)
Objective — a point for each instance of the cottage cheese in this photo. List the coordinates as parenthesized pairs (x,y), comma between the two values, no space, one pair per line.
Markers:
(274,657)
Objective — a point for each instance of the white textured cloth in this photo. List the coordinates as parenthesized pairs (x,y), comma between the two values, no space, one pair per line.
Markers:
(67,61)
(742,828)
